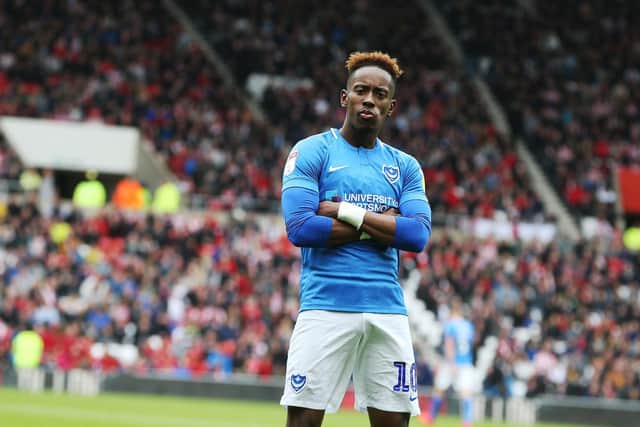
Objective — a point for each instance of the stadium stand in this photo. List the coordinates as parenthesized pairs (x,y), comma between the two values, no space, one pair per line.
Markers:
(209,139)
(566,317)
(190,294)
(130,63)
(196,296)
(439,119)
(572,93)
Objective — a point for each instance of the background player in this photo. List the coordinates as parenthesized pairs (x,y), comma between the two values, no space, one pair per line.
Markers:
(351,202)
(457,368)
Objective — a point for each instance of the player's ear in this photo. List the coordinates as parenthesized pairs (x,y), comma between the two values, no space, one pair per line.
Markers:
(392,106)
(343,98)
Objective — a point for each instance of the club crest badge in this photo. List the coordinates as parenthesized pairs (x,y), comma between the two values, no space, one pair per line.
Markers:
(298,382)
(392,173)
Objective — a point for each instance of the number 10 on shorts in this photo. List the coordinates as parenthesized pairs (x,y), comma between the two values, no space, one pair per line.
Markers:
(402,385)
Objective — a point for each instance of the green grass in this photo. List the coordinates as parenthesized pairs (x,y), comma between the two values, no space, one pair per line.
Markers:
(23,409)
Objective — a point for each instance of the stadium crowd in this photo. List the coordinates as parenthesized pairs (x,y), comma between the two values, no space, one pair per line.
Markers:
(196,296)
(569,77)
(566,317)
(193,295)
(470,169)
(80,61)
(130,63)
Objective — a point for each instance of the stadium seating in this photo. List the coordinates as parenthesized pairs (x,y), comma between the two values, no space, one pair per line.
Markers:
(156,78)
(184,290)
(565,317)
(196,296)
(470,169)
(571,93)
(131,64)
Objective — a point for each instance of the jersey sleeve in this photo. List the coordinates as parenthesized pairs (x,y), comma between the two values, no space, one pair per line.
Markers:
(414,187)
(304,227)
(303,165)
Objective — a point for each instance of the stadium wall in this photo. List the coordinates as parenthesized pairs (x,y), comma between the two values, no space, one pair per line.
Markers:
(242,387)
(589,411)
(556,409)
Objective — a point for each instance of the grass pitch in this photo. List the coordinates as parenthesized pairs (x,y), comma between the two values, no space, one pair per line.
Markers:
(23,409)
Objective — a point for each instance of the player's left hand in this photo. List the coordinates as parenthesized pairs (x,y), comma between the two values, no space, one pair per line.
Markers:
(391,211)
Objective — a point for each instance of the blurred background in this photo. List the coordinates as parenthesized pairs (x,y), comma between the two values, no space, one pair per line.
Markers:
(141,151)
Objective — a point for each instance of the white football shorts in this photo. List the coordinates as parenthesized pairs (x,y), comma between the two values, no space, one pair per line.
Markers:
(329,348)
(463,378)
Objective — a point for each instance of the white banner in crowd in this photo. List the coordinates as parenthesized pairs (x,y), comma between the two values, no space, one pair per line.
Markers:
(509,231)
(73,146)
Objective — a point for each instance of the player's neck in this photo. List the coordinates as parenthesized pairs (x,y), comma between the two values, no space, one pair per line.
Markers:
(365,138)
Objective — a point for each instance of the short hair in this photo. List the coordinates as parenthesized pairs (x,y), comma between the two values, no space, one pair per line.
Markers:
(379,59)
(457,305)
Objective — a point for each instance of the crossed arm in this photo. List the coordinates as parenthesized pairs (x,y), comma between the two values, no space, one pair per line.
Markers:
(311,223)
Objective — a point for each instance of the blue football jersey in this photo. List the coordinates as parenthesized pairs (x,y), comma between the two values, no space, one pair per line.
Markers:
(461,330)
(359,276)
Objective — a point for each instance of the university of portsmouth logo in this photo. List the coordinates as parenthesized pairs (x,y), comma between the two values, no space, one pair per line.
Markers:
(298,382)
(392,173)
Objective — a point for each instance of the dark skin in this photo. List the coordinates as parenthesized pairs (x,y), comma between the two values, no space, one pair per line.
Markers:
(303,417)
(369,100)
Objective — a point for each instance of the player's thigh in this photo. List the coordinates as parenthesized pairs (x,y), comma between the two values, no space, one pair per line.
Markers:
(321,359)
(444,377)
(385,371)
(465,383)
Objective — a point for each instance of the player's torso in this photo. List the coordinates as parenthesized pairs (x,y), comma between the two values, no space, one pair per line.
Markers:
(464,341)
(360,276)
(369,178)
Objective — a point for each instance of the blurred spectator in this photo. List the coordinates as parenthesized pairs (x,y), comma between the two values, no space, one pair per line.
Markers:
(129,194)
(47,194)
(166,198)
(30,180)
(26,349)
(90,193)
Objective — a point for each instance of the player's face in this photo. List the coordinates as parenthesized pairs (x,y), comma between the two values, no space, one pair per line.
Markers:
(368,98)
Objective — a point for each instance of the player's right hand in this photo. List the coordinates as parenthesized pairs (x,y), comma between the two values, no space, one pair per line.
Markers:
(329,209)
